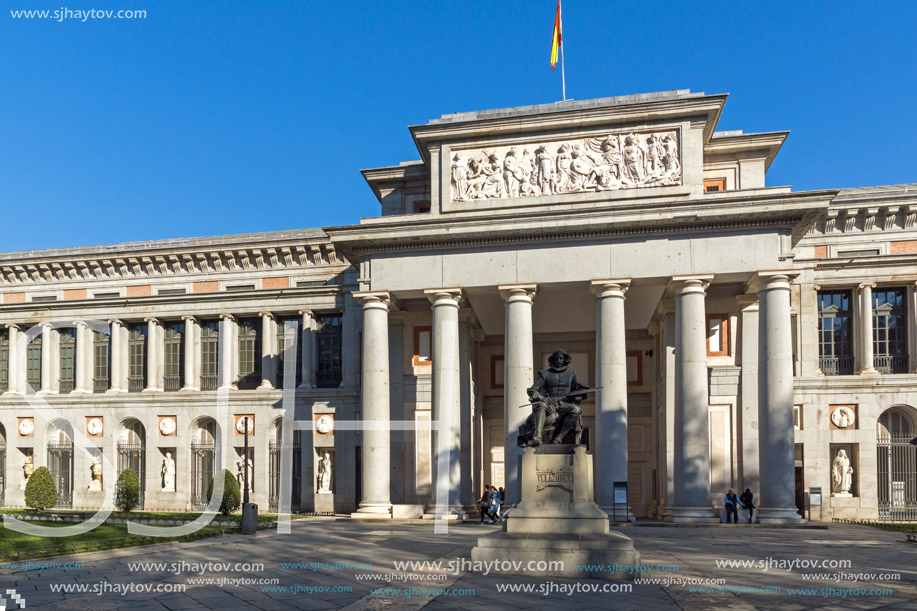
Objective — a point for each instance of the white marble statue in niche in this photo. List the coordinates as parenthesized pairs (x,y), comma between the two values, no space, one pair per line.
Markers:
(841,474)
(95,471)
(621,161)
(243,465)
(168,473)
(324,473)
(28,467)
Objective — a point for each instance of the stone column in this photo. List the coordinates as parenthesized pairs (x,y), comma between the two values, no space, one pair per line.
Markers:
(611,402)
(79,370)
(692,428)
(350,344)
(777,504)
(153,352)
(14,384)
(46,347)
(114,343)
(305,359)
(192,382)
(400,470)
(466,398)
(519,376)
(867,365)
(911,326)
(376,501)
(446,408)
(748,425)
(226,344)
(268,352)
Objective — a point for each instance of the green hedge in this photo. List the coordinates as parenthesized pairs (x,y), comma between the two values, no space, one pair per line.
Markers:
(40,492)
(232,494)
(127,491)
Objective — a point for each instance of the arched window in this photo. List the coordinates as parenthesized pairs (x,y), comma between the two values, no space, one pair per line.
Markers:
(132,452)
(203,448)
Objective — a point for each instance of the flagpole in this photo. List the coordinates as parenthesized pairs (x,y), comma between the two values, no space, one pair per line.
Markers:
(563,78)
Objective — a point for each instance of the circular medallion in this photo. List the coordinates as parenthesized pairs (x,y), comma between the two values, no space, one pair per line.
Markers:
(843,417)
(324,424)
(94,426)
(240,425)
(167,426)
(26,427)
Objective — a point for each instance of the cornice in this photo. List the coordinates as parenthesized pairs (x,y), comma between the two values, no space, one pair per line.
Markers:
(794,211)
(35,268)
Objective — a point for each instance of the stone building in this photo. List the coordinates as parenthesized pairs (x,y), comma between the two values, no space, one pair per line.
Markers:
(742,335)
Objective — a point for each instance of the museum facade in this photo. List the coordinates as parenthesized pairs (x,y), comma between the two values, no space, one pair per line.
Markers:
(739,335)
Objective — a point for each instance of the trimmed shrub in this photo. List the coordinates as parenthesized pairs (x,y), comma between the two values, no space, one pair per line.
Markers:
(40,492)
(127,491)
(232,493)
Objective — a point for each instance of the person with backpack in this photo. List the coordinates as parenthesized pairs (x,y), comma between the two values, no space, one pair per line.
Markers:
(732,502)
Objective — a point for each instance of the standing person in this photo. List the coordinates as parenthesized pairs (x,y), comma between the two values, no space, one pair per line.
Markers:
(495,505)
(485,504)
(748,502)
(732,502)
(502,498)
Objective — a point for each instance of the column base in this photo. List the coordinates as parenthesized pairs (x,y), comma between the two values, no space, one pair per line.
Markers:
(450,513)
(112,391)
(693,515)
(81,391)
(624,514)
(869,372)
(189,389)
(152,390)
(373,511)
(779,515)
(304,387)
(265,385)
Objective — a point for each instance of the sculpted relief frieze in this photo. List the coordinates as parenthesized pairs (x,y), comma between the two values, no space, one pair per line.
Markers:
(606,163)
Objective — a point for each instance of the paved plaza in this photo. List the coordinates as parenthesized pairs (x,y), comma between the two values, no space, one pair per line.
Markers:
(333,553)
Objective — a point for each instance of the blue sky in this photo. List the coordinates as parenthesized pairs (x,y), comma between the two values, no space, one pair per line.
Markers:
(219,117)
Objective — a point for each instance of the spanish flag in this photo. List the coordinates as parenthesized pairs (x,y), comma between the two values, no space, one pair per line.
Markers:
(556,41)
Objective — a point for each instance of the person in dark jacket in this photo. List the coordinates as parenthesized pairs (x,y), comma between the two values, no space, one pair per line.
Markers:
(502,498)
(495,505)
(732,502)
(748,502)
(485,505)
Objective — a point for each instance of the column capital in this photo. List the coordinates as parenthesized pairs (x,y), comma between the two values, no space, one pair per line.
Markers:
(115,321)
(863,285)
(375,299)
(268,314)
(189,317)
(615,287)
(227,316)
(696,283)
(309,313)
(772,279)
(152,319)
(450,296)
(13,325)
(518,292)
(80,323)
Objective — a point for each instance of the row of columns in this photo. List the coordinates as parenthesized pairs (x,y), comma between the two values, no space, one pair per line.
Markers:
(155,358)
(691,443)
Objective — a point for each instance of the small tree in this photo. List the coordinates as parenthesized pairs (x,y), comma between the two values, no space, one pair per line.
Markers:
(232,493)
(40,492)
(127,491)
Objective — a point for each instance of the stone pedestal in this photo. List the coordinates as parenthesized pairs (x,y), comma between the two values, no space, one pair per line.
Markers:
(249,518)
(324,503)
(557,519)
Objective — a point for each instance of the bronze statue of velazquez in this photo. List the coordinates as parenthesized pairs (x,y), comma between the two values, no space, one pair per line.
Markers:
(555,399)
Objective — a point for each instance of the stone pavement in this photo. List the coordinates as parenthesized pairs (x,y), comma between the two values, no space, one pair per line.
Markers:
(694,551)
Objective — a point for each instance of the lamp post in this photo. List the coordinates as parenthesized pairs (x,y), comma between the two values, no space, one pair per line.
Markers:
(249,510)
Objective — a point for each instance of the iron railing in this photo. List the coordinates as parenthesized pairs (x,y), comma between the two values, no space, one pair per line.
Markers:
(66,386)
(60,463)
(276,454)
(100,384)
(209,382)
(202,472)
(134,383)
(132,456)
(896,471)
(836,365)
(891,363)
(328,379)
(172,383)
